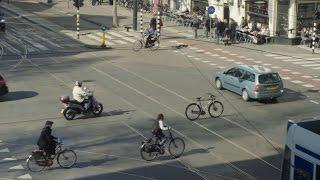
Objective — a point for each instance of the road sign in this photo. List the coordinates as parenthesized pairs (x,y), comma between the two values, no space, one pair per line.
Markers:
(211,10)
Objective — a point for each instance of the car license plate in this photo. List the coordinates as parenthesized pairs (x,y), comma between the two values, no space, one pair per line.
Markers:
(271,88)
(61,111)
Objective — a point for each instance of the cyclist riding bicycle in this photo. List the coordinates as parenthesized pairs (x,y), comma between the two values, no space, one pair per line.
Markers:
(151,33)
(158,129)
(46,141)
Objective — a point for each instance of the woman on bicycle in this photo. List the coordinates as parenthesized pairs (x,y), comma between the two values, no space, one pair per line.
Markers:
(158,129)
(151,33)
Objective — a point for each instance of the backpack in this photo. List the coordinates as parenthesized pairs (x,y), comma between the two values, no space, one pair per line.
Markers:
(156,127)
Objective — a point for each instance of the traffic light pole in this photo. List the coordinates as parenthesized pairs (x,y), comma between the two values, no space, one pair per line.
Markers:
(135,14)
(78,23)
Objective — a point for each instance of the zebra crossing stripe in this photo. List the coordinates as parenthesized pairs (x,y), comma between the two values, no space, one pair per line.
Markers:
(308,85)
(313,58)
(26,176)
(305,62)
(230,60)
(136,35)
(215,55)
(121,36)
(9,159)
(205,61)
(297,82)
(47,41)
(316,68)
(120,42)
(270,55)
(295,73)
(286,78)
(308,77)
(286,70)
(208,53)
(19,167)
(222,57)
(292,60)
(311,65)
(282,57)
(213,64)
(5,150)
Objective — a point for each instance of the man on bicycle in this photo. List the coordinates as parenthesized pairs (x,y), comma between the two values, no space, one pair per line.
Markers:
(151,33)
(46,141)
(158,129)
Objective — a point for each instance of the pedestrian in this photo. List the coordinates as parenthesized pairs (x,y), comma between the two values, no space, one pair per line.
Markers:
(207,26)
(233,29)
(196,26)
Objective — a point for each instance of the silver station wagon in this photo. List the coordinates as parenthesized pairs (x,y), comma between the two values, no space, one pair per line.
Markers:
(251,82)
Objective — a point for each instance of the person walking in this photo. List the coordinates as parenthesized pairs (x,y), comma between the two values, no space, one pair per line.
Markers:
(207,26)
(196,26)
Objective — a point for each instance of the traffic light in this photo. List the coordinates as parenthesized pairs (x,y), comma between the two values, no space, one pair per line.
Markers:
(78,3)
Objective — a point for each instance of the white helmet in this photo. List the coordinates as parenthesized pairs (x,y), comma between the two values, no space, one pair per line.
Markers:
(78,83)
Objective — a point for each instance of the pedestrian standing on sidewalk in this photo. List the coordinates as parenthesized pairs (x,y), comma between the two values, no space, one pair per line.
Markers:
(207,26)
(196,26)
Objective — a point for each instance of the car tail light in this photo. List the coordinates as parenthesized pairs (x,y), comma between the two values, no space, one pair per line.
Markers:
(256,88)
(2,82)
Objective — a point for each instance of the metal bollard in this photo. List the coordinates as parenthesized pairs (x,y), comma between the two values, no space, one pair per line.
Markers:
(314,36)
(78,23)
(158,24)
(141,21)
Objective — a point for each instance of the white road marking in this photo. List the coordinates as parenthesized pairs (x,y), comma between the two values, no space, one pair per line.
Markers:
(173,41)
(275,67)
(121,36)
(0,141)
(233,54)
(17,167)
(200,51)
(5,150)
(249,59)
(283,57)
(271,55)
(297,82)
(286,70)
(189,56)
(311,65)
(314,58)
(120,41)
(303,62)
(295,73)
(222,57)
(292,60)
(207,53)
(175,51)
(257,62)
(197,59)
(286,78)
(267,64)
(215,55)
(213,64)
(193,48)
(316,79)
(230,60)
(308,85)
(242,57)
(218,49)
(316,68)
(206,61)
(308,77)
(26,176)
(225,51)
(238,62)
(9,159)
(315,102)
(10,48)
(222,67)
(47,40)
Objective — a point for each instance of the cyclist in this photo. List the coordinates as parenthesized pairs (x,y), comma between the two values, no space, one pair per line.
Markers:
(46,141)
(158,129)
(151,33)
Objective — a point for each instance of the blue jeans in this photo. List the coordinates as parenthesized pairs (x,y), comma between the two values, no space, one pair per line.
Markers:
(90,104)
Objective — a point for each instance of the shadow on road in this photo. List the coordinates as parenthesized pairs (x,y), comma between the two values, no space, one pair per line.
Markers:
(18,95)
(288,96)
(106,114)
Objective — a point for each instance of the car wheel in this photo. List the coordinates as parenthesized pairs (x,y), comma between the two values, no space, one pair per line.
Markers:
(218,84)
(245,95)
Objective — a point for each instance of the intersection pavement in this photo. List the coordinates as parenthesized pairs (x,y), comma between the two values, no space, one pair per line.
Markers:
(245,143)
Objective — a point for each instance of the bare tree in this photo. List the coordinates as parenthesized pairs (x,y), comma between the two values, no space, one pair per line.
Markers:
(115,14)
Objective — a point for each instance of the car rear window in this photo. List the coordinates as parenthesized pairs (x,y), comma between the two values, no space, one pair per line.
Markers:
(269,78)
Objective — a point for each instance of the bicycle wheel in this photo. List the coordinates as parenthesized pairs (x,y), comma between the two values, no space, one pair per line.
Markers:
(67,158)
(193,111)
(148,156)
(156,45)
(215,109)
(137,45)
(176,147)
(34,163)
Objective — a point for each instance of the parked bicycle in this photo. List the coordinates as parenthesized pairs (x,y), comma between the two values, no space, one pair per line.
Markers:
(139,44)
(150,149)
(38,160)
(194,110)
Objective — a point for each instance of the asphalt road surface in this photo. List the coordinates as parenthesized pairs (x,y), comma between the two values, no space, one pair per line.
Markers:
(245,143)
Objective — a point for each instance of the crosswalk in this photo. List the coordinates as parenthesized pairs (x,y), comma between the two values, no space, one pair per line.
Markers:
(11,166)
(113,38)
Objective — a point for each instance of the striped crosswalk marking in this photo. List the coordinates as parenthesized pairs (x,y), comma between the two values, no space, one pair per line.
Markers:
(130,34)
(120,41)
(257,62)
(297,82)
(238,62)
(222,57)
(233,54)
(286,78)
(308,77)
(29,40)
(316,68)
(292,60)
(47,41)
(197,59)
(189,56)
(230,60)
(200,50)
(215,55)
(311,65)
(10,48)
(304,62)
(121,36)
(208,53)
(286,70)
(267,64)
(193,48)
(295,73)
(271,55)
(218,49)
(205,61)
(249,59)
(26,176)
(308,85)
(318,58)
(213,64)
(275,67)
(282,57)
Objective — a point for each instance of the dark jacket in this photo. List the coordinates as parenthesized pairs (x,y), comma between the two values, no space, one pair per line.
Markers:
(46,139)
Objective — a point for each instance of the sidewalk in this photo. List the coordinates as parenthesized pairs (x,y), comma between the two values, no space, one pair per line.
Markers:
(59,13)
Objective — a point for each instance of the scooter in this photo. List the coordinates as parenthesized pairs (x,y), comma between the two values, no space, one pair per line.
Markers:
(73,107)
